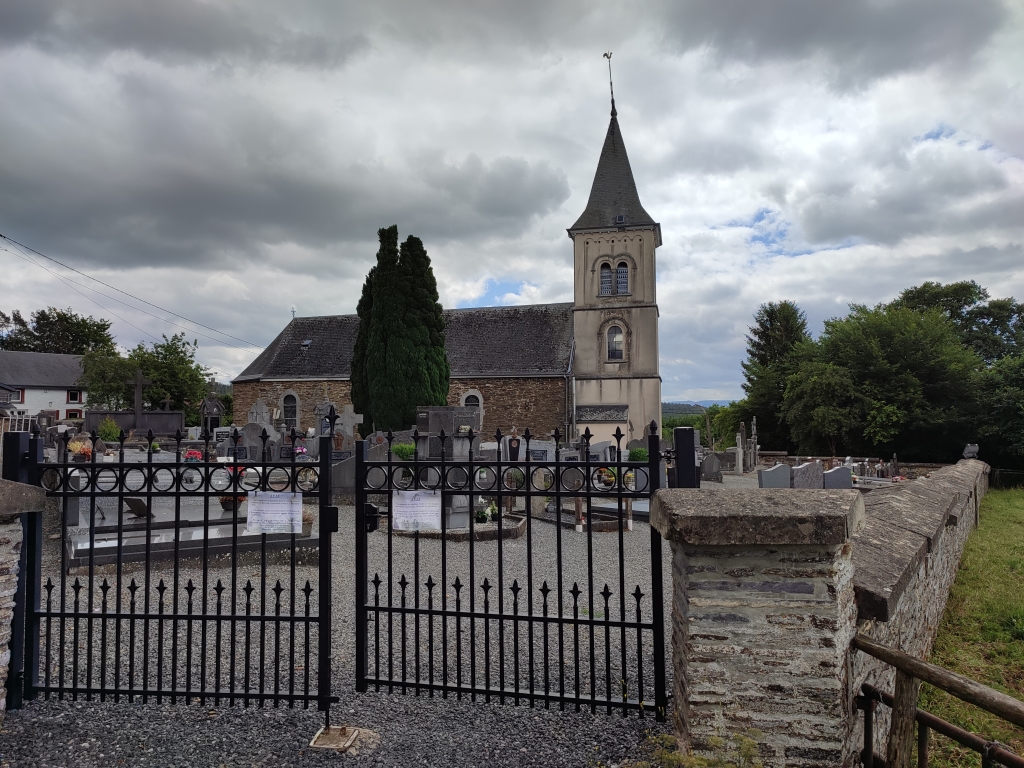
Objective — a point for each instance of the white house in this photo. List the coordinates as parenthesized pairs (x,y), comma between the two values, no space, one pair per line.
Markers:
(43,382)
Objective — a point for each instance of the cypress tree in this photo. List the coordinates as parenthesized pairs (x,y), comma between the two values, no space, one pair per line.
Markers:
(360,381)
(389,358)
(425,325)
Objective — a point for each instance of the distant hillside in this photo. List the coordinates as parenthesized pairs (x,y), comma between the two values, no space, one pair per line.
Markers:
(688,409)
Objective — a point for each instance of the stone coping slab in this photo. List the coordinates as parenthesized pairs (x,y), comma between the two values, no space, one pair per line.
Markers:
(735,516)
(16,498)
(905,522)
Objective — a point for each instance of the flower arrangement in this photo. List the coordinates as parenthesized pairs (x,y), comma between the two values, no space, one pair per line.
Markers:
(300,450)
(227,501)
(192,456)
(81,449)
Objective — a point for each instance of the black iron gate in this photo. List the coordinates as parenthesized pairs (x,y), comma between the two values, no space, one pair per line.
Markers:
(538,606)
(163,588)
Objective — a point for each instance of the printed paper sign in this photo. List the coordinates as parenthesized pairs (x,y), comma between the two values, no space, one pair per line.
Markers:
(275,512)
(416,511)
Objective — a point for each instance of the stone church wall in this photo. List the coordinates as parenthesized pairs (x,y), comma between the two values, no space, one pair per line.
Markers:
(308,391)
(534,403)
(537,403)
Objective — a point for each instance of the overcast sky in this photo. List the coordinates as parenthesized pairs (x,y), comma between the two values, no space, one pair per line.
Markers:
(231,160)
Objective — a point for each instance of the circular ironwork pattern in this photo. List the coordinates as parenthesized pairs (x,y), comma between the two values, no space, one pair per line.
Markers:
(376,478)
(307,479)
(430,478)
(134,480)
(191,479)
(402,478)
(51,480)
(220,479)
(485,478)
(250,479)
(457,478)
(106,480)
(573,479)
(163,480)
(278,479)
(513,479)
(542,479)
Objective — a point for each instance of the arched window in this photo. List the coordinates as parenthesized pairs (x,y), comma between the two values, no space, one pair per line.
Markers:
(615,343)
(472,401)
(622,278)
(291,411)
(606,279)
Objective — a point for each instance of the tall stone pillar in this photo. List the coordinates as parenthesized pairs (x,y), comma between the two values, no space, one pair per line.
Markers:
(762,616)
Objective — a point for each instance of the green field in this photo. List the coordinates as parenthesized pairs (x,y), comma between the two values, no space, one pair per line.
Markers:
(982,630)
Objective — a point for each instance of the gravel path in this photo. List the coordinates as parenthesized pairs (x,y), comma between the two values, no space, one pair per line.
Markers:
(413,730)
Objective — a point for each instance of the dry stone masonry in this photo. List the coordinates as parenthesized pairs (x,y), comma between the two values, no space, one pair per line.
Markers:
(770,585)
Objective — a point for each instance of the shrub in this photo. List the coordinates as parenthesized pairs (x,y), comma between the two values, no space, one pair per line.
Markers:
(108,431)
(404,451)
(639,454)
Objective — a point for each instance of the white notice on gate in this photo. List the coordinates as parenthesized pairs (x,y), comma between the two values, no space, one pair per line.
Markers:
(274,512)
(416,511)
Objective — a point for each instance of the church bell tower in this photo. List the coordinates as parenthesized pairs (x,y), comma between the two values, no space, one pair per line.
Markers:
(617,382)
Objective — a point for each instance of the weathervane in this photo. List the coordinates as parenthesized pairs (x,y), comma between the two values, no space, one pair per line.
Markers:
(611,87)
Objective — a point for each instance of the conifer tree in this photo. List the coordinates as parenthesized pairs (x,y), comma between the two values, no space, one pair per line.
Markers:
(360,381)
(425,324)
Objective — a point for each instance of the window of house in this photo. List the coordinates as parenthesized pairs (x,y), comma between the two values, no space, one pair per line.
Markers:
(74,396)
(18,396)
(74,414)
(291,411)
(622,278)
(606,280)
(615,343)
(472,401)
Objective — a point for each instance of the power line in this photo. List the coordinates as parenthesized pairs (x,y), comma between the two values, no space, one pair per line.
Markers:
(137,309)
(67,282)
(114,288)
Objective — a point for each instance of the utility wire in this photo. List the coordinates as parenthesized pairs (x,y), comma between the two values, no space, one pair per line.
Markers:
(130,306)
(67,282)
(114,288)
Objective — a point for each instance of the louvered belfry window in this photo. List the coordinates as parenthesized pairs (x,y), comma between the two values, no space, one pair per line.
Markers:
(622,278)
(606,280)
(615,343)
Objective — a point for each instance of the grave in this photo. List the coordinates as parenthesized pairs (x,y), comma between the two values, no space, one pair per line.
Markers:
(840,477)
(808,475)
(711,468)
(779,476)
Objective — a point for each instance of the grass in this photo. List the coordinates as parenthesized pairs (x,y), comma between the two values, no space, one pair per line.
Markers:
(981,634)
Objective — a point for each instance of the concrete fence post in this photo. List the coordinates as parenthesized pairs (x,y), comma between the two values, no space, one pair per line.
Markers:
(762,617)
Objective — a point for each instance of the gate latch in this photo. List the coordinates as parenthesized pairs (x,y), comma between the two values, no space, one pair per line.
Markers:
(372,516)
(329,520)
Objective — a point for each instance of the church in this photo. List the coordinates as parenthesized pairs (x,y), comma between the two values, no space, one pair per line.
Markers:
(592,363)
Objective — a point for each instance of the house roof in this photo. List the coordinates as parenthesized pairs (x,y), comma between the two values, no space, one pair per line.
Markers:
(531,340)
(40,369)
(614,192)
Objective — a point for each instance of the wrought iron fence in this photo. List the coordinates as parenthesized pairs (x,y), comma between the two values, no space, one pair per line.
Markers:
(543,605)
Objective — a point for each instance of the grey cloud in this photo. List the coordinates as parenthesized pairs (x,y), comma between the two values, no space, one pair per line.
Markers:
(179,32)
(859,39)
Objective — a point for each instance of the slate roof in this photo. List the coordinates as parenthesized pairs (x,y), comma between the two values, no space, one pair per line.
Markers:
(531,340)
(614,191)
(40,369)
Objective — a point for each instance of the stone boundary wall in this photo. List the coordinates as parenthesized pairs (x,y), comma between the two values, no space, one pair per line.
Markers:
(769,587)
(905,562)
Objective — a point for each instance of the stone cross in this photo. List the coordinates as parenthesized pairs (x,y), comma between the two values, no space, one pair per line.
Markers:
(348,420)
(167,403)
(139,383)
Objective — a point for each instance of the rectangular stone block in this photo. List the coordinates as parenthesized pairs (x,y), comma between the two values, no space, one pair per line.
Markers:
(778,476)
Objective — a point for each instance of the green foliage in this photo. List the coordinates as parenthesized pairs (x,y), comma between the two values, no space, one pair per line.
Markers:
(779,327)
(699,421)
(360,380)
(981,634)
(108,430)
(404,451)
(402,364)
(1001,421)
(171,366)
(228,399)
(882,380)
(740,751)
(55,330)
(639,454)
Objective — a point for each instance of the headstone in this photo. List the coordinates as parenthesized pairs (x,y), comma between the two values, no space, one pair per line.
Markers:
(711,468)
(542,451)
(778,476)
(840,477)
(321,411)
(194,433)
(260,414)
(252,442)
(221,434)
(808,476)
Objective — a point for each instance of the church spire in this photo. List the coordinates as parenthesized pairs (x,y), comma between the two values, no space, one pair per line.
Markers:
(614,201)
(611,87)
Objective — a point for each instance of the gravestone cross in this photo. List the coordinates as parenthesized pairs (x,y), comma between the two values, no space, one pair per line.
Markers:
(167,403)
(348,420)
(139,383)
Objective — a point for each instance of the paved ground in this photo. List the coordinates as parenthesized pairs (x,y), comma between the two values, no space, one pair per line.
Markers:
(414,731)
